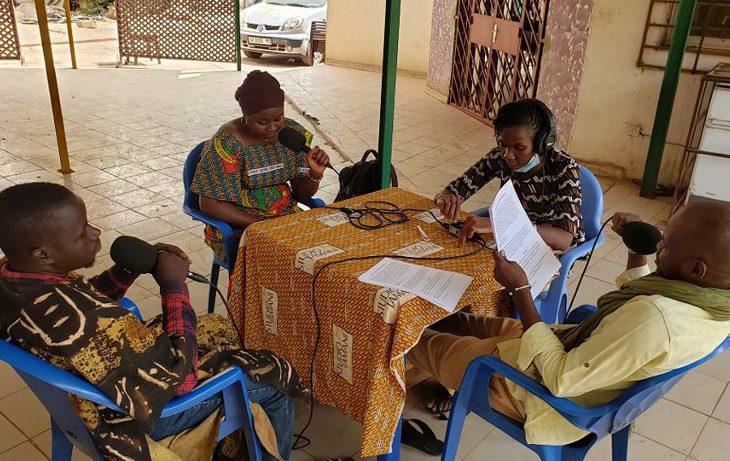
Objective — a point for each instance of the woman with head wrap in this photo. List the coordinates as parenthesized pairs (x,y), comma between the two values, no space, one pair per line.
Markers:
(245,175)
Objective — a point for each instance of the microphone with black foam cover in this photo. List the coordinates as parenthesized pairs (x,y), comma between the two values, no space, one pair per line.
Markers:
(641,237)
(139,257)
(296,141)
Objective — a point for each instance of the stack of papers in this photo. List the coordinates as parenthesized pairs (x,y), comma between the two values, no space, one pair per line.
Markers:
(443,288)
(519,240)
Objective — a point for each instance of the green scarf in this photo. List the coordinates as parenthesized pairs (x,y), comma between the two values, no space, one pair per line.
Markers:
(714,301)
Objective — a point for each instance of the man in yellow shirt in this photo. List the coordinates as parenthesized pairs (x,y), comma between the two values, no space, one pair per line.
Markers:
(654,323)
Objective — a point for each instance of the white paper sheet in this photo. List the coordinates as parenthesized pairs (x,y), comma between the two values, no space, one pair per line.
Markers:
(443,288)
(430,216)
(520,241)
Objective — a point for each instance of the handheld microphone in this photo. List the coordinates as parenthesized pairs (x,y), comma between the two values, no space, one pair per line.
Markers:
(139,257)
(296,141)
(641,237)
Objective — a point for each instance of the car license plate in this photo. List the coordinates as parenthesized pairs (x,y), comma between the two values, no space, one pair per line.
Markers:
(259,40)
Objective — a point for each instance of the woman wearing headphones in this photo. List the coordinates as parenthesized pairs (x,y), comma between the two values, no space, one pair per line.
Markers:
(546,179)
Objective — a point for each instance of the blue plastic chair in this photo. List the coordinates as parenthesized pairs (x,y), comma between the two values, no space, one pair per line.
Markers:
(613,418)
(191,207)
(553,303)
(51,385)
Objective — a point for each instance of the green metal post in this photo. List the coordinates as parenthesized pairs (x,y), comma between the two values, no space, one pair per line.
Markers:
(238,34)
(666,97)
(387,89)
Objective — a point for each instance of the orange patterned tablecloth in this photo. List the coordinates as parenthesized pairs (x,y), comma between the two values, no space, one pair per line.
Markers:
(365,331)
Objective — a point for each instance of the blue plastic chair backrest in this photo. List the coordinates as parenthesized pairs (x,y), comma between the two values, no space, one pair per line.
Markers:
(191,163)
(51,385)
(592,203)
(637,399)
(39,375)
(647,392)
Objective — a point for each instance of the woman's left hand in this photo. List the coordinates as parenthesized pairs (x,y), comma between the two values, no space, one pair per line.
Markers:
(317,161)
(508,273)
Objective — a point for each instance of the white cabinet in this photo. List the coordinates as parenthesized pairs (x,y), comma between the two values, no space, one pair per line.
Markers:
(716,132)
(704,173)
(711,173)
(710,179)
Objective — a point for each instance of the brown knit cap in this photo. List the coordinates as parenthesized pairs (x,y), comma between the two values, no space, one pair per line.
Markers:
(259,91)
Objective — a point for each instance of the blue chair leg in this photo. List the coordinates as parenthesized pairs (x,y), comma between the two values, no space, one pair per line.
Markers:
(553,453)
(61,446)
(620,444)
(394,455)
(457,417)
(214,272)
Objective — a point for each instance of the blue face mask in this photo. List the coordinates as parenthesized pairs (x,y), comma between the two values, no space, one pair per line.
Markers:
(534,161)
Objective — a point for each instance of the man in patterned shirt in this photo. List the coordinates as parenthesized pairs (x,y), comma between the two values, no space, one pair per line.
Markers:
(546,179)
(78,325)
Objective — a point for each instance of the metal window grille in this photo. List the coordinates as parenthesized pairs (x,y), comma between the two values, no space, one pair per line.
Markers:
(199,30)
(490,70)
(9,43)
(709,34)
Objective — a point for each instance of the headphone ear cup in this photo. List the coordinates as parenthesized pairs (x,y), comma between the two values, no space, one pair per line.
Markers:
(541,142)
(548,134)
(549,141)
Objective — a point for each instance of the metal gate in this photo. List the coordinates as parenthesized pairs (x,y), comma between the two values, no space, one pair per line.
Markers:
(497,53)
(199,30)
(9,44)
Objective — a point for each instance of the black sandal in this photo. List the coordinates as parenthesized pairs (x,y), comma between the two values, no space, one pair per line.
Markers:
(424,440)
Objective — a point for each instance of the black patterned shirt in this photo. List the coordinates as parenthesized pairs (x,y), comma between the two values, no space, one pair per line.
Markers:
(550,196)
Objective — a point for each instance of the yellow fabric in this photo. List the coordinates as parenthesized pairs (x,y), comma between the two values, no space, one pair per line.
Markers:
(364,335)
(648,336)
(199,442)
(265,430)
(195,444)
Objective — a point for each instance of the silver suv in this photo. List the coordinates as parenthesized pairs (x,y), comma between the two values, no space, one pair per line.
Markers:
(281,27)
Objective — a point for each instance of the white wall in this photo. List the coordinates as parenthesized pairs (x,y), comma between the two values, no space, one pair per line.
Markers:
(615,95)
(355,34)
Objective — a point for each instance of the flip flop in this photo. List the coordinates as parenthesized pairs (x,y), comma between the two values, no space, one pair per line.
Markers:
(424,440)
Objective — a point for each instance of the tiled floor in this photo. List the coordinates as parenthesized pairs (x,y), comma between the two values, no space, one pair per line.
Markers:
(129,132)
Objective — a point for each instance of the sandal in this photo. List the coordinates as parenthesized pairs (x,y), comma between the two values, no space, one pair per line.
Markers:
(424,440)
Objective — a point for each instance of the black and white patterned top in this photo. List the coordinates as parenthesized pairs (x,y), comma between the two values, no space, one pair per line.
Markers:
(550,196)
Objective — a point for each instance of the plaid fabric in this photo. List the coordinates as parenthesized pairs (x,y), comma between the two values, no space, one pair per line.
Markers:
(113,282)
(179,319)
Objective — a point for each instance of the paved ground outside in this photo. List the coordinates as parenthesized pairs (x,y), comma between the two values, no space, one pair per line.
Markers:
(129,132)
(98,47)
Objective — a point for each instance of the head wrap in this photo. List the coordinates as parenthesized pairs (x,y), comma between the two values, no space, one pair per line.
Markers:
(259,91)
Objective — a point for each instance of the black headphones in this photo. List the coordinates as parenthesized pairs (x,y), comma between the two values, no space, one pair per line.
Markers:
(547,134)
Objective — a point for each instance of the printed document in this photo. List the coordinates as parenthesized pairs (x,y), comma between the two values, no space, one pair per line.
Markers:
(520,241)
(443,288)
